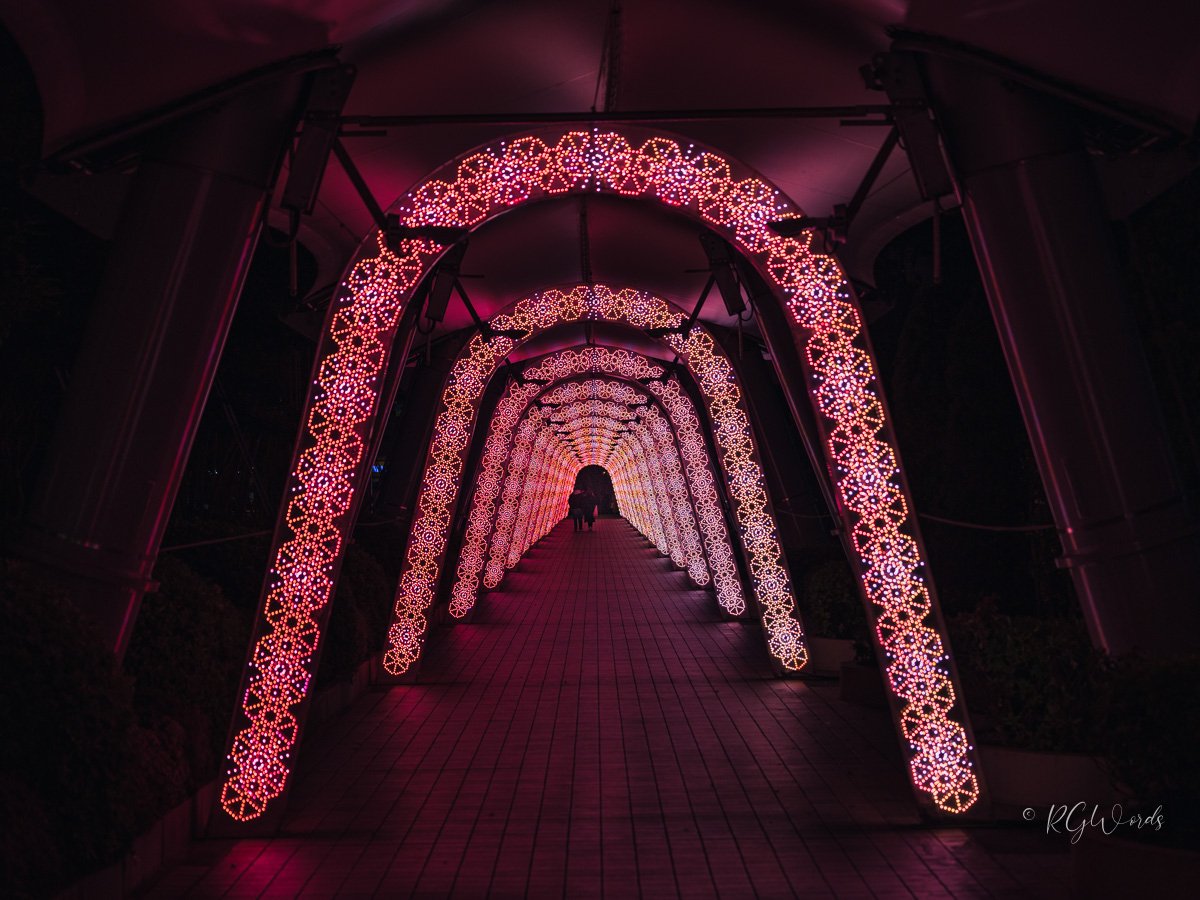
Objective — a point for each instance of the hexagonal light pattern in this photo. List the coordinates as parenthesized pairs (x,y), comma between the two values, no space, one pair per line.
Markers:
(826,323)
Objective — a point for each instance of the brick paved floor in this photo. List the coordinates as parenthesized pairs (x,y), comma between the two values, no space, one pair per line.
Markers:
(599,731)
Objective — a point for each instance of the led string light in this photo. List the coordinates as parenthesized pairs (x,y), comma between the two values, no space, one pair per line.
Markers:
(595,425)
(706,504)
(320,494)
(735,447)
(702,488)
(688,550)
(641,476)
(342,401)
(489,481)
(632,467)
(650,460)
(577,303)
(524,456)
(538,494)
(665,530)
(545,491)
(530,493)
(579,431)
(691,546)
(683,420)
(637,489)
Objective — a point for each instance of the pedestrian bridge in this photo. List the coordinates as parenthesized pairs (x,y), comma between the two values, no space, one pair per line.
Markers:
(599,728)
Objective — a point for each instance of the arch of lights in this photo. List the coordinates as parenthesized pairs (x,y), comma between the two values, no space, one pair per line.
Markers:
(659,467)
(592,420)
(716,379)
(592,429)
(545,484)
(622,363)
(544,445)
(826,323)
(593,437)
(599,433)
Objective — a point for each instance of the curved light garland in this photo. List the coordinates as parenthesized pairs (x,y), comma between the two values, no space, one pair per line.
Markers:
(683,422)
(489,481)
(600,432)
(597,433)
(739,463)
(345,393)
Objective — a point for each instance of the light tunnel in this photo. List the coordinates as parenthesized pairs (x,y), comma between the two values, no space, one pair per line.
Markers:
(609,424)
(641,377)
(823,323)
(733,437)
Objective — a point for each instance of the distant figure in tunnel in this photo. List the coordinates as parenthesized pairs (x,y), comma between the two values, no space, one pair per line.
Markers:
(575,507)
(589,508)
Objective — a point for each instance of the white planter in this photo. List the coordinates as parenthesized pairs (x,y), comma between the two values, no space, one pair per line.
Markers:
(826,655)
(1021,779)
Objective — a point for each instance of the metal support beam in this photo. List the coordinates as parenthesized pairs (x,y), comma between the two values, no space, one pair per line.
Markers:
(869,111)
(140,382)
(360,185)
(1037,223)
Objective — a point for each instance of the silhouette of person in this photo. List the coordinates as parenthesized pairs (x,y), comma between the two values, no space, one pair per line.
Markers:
(575,508)
(589,509)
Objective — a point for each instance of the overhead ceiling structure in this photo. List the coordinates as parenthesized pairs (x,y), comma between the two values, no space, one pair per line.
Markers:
(499,166)
(454,74)
(700,185)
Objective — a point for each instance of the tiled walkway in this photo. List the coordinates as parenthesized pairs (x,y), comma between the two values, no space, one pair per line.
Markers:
(599,731)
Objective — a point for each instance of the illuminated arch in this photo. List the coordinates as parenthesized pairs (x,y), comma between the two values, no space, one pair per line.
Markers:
(678,538)
(591,418)
(594,418)
(544,484)
(697,478)
(733,437)
(588,436)
(685,424)
(825,321)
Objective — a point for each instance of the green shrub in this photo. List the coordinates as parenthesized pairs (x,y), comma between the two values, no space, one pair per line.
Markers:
(1037,681)
(84,776)
(186,656)
(832,607)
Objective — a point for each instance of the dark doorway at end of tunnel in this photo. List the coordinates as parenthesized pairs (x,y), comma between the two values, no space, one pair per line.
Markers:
(596,481)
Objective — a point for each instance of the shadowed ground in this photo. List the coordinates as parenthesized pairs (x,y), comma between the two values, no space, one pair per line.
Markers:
(599,731)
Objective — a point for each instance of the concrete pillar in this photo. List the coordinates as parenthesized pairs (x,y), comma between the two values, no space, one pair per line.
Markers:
(1035,216)
(139,385)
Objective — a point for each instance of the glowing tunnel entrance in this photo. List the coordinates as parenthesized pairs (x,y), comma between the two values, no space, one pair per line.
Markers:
(640,377)
(713,374)
(605,424)
(825,325)
(598,481)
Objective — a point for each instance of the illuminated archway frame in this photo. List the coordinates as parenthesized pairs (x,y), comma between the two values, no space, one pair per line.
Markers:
(590,425)
(509,544)
(672,501)
(679,538)
(547,447)
(543,484)
(716,379)
(675,508)
(549,479)
(622,364)
(483,516)
(850,412)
